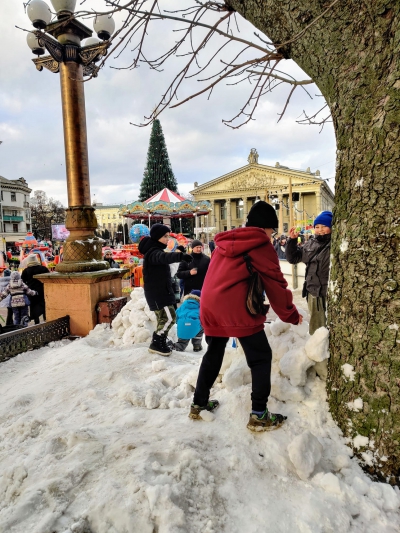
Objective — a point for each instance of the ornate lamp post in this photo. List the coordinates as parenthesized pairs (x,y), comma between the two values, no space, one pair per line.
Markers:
(62,39)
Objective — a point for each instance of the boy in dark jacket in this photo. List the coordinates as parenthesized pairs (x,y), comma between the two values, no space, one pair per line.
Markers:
(193,272)
(188,322)
(224,312)
(158,289)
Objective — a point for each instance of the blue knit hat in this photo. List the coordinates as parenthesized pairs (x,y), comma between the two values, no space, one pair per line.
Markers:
(324,218)
(196,292)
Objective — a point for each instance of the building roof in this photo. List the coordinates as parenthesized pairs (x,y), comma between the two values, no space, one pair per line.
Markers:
(20,183)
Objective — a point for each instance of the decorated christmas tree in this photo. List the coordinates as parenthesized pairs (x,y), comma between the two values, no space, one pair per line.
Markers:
(158,173)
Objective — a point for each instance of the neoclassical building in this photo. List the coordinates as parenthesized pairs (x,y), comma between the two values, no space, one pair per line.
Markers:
(233,194)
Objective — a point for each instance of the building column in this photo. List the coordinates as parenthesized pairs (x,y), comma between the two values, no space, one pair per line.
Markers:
(318,202)
(280,214)
(216,219)
(228,214)
(244,198)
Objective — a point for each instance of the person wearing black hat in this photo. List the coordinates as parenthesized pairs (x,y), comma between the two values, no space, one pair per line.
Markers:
(224,312)
(158,289)
(194,272)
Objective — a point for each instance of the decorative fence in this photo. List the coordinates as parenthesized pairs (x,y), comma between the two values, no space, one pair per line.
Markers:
(32,337)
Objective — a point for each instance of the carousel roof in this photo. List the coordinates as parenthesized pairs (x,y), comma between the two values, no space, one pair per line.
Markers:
(165,196)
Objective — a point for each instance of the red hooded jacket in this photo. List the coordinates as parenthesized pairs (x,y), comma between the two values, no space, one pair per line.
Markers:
(223,309)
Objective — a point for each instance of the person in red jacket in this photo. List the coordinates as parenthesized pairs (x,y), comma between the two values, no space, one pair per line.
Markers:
(224,313)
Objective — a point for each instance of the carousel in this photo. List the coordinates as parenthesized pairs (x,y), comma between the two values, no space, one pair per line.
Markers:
(161,207)
(166,204)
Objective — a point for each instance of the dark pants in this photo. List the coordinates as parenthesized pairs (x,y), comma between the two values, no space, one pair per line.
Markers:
(19,313)
(10,321)
(181,345)
(258,356)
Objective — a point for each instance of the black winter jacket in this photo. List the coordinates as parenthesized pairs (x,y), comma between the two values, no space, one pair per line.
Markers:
(158,289)
(318,269)
(37,307)
(201,262)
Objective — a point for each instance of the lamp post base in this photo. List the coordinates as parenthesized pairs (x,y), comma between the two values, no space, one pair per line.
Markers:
(82,250)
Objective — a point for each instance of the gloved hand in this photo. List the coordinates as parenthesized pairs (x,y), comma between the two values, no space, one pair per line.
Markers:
(186,257)
(181,248)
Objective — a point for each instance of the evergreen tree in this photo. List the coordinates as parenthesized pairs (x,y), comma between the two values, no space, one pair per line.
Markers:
(158,173)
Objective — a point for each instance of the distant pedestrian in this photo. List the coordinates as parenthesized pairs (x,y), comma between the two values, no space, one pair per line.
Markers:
(315,254)
(158,283)
(19,301)
(108,256)
(38,305)
(4,281)
(280,247)
(194,271)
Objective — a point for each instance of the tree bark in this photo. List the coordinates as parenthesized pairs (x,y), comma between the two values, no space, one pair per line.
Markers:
(352,55)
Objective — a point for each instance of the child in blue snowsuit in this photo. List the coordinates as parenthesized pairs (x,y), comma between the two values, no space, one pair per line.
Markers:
(188,322)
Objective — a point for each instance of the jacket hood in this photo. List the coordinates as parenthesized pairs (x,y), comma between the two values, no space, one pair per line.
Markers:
(191,297)
(147,243)
(240,240)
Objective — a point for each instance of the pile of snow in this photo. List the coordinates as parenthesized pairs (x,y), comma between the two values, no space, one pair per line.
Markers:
(135,322)
(96,438)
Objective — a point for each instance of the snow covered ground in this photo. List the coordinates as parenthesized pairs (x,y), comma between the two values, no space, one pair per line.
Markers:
(95,438)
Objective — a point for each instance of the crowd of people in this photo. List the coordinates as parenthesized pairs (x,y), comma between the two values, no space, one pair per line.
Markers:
(216,293)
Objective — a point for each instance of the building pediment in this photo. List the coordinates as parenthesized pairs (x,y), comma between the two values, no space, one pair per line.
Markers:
(255,178)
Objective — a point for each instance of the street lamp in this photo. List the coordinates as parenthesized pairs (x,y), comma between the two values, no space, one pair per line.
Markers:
(180,224)
(62,39)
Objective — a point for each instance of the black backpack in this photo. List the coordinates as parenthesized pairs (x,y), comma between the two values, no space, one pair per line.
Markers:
(255,292)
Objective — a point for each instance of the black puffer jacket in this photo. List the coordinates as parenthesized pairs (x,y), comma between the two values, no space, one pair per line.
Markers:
(37,307)
(318,249)
(199,261)
(158,289)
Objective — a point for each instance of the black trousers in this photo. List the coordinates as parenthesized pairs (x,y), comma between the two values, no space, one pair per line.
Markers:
(258,356)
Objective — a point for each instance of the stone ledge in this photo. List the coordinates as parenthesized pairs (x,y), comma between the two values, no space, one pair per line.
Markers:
(82,277)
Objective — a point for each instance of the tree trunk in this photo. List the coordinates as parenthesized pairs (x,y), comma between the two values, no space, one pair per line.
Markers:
(352,55)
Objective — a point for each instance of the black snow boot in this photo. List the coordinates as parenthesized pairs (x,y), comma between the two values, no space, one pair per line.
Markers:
(159,345)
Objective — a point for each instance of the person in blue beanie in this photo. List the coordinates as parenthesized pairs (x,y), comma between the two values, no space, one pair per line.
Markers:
(316,255)
(188,323)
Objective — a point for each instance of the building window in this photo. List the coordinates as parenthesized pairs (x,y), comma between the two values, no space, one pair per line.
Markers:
(14,213)
(239,209)
(108,216)
(223,211)
(28,227)
(109,225)
(114,216)
(15,227)
(2,195)
(13,197)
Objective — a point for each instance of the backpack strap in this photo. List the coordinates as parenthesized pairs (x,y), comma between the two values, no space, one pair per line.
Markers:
(247,259)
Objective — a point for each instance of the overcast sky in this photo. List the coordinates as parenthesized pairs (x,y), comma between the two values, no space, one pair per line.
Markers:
(200,146)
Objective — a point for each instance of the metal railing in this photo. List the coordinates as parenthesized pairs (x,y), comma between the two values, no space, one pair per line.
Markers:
(32,337)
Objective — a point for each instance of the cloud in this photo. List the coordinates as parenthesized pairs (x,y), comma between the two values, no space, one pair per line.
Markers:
(200,146)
